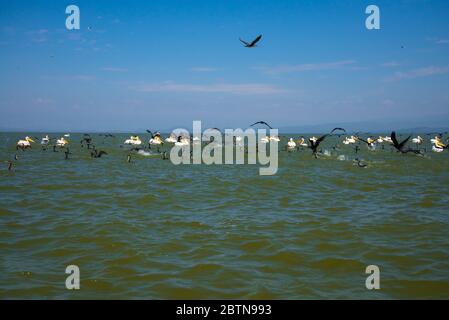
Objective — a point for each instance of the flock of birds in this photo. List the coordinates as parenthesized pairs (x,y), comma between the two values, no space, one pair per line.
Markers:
(135,144)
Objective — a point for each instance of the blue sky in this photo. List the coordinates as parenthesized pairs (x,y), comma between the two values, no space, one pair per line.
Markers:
(162,64)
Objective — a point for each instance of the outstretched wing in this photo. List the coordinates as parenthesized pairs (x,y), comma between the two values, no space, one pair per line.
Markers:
(402,144)
(255,40)
(338,129)
(358,138)
(244,42)
(321,139)
(152,136)
(395,140)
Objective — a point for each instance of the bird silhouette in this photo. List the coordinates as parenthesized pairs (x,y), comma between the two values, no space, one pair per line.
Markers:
(261,122)
(251,44)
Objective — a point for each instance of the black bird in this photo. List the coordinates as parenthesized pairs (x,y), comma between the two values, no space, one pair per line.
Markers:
(67,153)
(261,122)
(359,163)
(314,144)
(396,144)
(16,157)
(251,44)
(87,140)
(128,159)
(97,154)
(400,146)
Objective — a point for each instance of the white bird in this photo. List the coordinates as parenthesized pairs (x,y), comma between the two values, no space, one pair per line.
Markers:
(24,144)
(418,140)
(437,149)
(45,140)
(62,142)
(171,138)
(302,142)
(134,141)
(182,141)
(265,140)
(350,140)
(291,144)
(156,140)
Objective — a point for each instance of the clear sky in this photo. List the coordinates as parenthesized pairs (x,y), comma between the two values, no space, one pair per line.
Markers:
(161,64)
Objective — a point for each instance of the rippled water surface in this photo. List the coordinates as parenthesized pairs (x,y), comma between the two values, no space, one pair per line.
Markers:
(150,229)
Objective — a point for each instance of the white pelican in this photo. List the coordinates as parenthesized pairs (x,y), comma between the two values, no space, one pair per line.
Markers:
(265,140)
(418,140)
(67,135)
(350,140)
(435,140)
(302,142)
(24,144)
(182,141)
(437,149)
(275,138)
(134,141)
(291,144)
(380,139)
(156,140)
(62,142)
(171,138)
(387,139)
(438,146)
(45,140)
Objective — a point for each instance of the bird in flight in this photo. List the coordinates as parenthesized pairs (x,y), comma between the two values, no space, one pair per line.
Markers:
(251,44)
(314,142)
(400,146)
(261,122)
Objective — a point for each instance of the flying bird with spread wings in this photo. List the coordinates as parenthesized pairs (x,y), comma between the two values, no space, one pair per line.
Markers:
(261,122)
(400,146)
(251,44)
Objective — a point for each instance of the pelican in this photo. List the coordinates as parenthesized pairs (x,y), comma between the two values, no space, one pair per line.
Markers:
(387,139)
(133,140)
(265,140)
(274,138)
(291,144)
(380,139)
(350,140)
(437,149)
(171,138)
(182,141)
(435,140)
(62,142)
(67,135)
(156,140)
(418,140)
(438,146)
(24,144)
(302,142)
(45,140)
